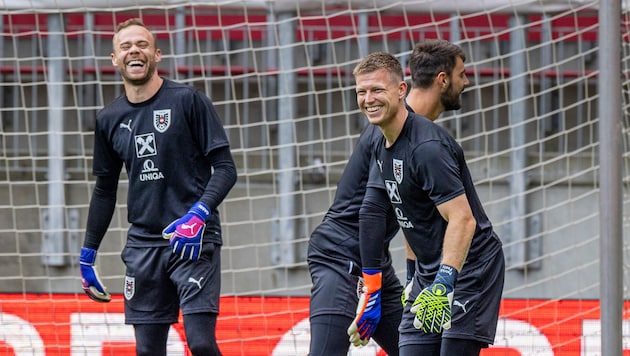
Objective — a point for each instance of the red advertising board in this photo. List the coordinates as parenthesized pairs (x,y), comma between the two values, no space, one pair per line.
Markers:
(74,325)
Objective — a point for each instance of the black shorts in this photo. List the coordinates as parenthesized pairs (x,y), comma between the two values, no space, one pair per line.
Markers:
(334,288)
(158,284)
(475,309)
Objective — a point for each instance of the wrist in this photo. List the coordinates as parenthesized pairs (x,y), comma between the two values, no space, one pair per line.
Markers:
(200,209)
(447,275)
(372,279)
(88,255)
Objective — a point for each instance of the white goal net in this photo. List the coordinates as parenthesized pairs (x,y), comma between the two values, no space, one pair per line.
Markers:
(279,74)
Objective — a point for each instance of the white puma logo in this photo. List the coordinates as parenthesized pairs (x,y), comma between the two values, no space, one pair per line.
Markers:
(191,227)
(459,304)
(197,282)
(126,126)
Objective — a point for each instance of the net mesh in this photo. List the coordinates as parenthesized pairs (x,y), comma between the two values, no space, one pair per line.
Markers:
(281,81)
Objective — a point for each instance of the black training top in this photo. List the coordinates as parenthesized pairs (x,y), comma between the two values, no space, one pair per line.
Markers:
(338,234)
(166,145)
(424,168)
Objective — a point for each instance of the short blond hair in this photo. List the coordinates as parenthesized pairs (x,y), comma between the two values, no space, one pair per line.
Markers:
(380,60)
(131,22)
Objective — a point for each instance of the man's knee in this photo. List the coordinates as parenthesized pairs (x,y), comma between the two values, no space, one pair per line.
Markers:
(204,347)
(200,334)
(462,347)
(329,335)
(151,339)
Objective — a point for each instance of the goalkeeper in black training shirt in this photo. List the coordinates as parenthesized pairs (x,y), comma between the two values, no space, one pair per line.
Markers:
(352,243)
(452,304)
(178,161)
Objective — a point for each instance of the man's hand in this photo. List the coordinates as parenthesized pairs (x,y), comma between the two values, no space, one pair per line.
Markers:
(186,233)
(90,281)
(433,305)
(368,309)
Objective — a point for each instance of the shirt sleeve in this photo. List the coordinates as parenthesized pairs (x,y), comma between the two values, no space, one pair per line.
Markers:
(106,162)
(373,219)
(207,127)
(101,210)
(372,227)
(223,178)
(437,164)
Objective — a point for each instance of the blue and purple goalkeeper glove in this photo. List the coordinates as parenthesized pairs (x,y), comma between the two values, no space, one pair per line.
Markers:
(368,309)
(90,281)
(433,305)
(186,233)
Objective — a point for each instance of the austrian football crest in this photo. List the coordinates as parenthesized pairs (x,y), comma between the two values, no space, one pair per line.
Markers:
(398,170)
(130,287)
(161,119)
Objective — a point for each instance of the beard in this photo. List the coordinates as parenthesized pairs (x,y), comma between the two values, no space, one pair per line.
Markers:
(142,80)
(450,99)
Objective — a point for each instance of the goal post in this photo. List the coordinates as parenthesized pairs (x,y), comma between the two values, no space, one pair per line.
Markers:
(280,76)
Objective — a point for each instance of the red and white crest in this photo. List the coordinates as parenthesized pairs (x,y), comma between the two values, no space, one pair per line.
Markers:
(161,119)
(398,170)
(130,287)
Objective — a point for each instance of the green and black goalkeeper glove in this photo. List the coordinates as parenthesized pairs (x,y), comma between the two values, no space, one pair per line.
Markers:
(433,305)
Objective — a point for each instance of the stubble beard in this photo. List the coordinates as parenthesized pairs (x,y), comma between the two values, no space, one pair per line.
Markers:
(143,80)
(451,100)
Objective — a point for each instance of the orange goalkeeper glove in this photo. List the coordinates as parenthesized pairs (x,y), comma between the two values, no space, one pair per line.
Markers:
(368,309)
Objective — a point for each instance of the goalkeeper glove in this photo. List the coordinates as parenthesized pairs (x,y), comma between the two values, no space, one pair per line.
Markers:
(186,233)
(433,305)
(90,281)
(368,309)
(404,298)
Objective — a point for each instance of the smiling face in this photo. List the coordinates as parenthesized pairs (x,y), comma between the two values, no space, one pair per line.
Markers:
(379,96)
(135,54)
